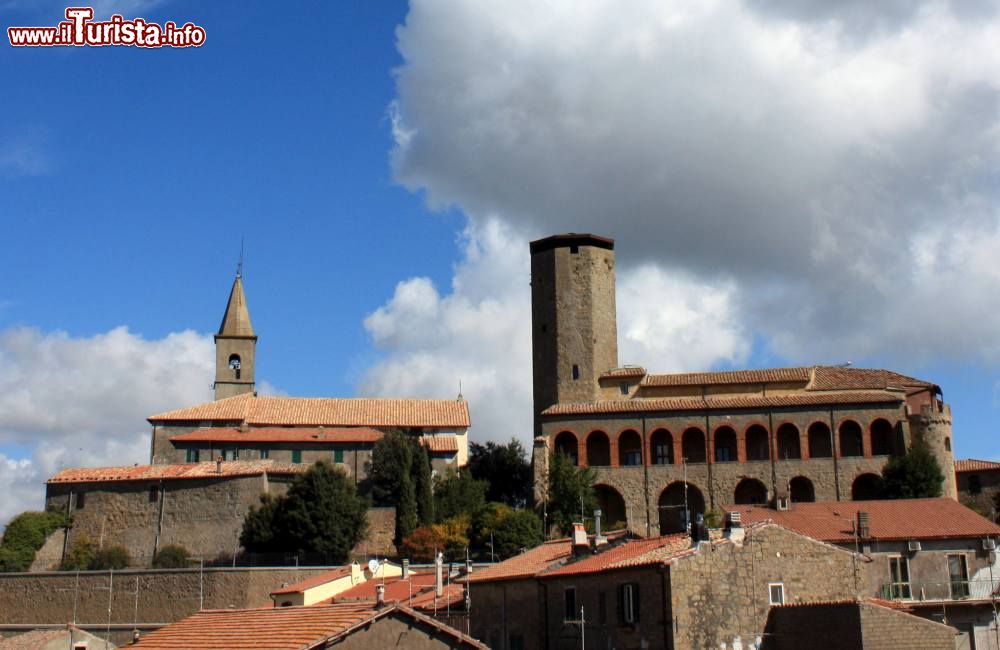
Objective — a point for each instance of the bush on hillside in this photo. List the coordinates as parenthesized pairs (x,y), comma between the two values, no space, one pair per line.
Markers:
(172,556)
(25,534)
(111,557)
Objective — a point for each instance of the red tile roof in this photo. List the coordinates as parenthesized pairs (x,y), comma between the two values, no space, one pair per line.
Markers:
(440,444)
(640,552)
(832,378)
(283,434)
(314,581)
(902,519)
(229,469)
(625,371)
(526,564)
(817,378)
(647,405)
(973,465)
(327,411)
(761,376)
(282,628)
(417,592)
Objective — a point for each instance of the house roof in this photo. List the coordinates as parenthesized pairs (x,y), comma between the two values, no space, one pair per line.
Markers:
(236,320)
(526,564)
(624,371)
(974,465)
(416,592)
(761,376)
(895,520)
(440,444)
(647,405)
(817,377)
(314,581)
(282,628)
(326,411)
(283,434)
(228,469)
(632,553)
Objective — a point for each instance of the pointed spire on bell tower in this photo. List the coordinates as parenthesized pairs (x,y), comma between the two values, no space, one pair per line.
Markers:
(235,344)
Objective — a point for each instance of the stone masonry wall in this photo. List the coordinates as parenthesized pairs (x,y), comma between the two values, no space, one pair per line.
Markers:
(506,610)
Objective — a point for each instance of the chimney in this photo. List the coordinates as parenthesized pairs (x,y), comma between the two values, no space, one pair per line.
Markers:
(599,539)
(735,531)
(406,568)
(218,465)
(579,535)
(438,579)
(379,596)
(864,528)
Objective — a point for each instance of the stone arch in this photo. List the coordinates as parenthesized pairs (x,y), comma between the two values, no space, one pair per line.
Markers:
(725,445)
(598,449)
(851,439)
(629,448)
(750,491)
(758,443)
(820,441)
(671,507)
(566,444)
(801,490)
(866,487)
(881,432)
(612,506)
(662,445)
(789,446)
(693,442)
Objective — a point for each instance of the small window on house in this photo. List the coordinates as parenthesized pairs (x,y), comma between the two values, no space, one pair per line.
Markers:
(628,603)
(776,593)
(192,455)
(947,444)
(154,494)
(899,576)
(975,486)
(624,387)
(574,250)
(81,500)
(571,613)
(958,572)
(338,455)
(231,454)
(576,371)
(265,454)
(296,455)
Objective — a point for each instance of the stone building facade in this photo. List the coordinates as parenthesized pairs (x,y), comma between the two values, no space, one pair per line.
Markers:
(663,445)
(978,483)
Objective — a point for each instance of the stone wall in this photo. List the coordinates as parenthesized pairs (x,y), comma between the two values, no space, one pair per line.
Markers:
(981,498)
(933,426)
(507,611)
(381,532)
(400,631)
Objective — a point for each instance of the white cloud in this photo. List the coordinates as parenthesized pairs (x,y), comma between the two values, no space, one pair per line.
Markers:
(83,401)
(829,167)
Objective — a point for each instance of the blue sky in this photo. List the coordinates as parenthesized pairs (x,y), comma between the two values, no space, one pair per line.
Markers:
(787,185)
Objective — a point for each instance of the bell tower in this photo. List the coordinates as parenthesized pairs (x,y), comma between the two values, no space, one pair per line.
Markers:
(235,347)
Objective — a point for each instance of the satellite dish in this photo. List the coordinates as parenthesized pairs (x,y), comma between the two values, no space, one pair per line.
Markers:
(373,566)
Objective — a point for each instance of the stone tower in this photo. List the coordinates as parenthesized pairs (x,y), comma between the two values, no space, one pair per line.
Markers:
(235,347)
(574,335)
(933,426)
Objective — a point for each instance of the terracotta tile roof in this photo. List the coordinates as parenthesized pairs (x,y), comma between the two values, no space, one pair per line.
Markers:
(902,519)
(832,378)
(314,581)
(440,444)
(761,376)
(648,405)
(453,595)
(417,592)
(973,465)
(328,411)
(230,469)
(283,434)
(526,564)
(281,628)
(640,552)
(625,371)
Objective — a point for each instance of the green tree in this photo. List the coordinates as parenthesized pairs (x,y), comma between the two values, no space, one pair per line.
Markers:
(321,513)
(390,467)
(406,508)
(916,475)
(423,485)
(570,492)
(458,494)
(25,534)
(508,530)
(505,468)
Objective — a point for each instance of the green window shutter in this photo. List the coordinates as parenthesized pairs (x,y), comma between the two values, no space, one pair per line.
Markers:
(338,455)
(296,455)
(192,455)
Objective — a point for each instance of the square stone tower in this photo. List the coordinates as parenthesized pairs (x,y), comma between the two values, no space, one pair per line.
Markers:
(235,347)
(574,333)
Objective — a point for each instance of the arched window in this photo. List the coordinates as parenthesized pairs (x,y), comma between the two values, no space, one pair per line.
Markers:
(663,447)
(801,490)
(788,442)
(566,444)
(612,505)
(598,449)
(235,364)
(881,432)
(758,446)
(725,445)
(750,491)
(850,439)
(820,442)
(629,448)
(693,442)
(866,487)
(673,500)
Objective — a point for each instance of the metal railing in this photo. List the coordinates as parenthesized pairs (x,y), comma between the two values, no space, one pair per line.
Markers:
(956,590)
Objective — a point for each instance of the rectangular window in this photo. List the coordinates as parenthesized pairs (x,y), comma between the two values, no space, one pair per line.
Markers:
(776,593)
(231,454)
(624,388)
(338,455)
(633,457)
(571,613)
(265,454)
(576,371)
(296,455)
(154,494)
(662,454)
(958,572)
(899,578)
(192,455)
(628,603)
(80,500)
